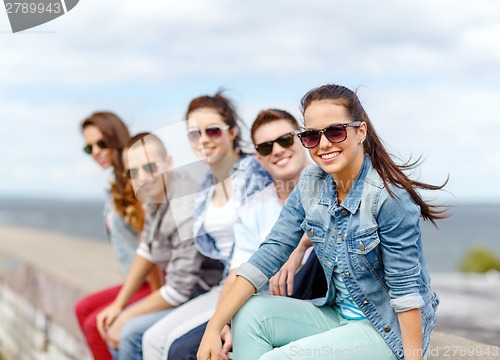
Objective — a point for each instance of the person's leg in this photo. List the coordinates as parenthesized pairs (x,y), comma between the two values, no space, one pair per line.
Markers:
(158,338)
(310,281)
(130,346)
(186,347)
(87,310)
(266,322)
(351,340)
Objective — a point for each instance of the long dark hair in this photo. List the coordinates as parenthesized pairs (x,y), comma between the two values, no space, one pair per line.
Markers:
(116,136)
(382,161)
(225,108)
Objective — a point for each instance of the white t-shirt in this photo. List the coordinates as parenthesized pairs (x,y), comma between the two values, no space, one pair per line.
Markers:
(256,219)
(219,223)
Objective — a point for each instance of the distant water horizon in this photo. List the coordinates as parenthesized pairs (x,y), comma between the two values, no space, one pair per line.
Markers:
(469,225)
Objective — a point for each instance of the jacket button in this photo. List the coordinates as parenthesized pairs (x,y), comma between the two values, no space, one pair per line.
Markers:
(310,233)
(347,274)
(344,212)
(361,246)
(387,329)
(366,302)
(342,237)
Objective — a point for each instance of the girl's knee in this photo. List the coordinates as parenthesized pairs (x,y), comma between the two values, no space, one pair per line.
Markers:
(81,310)
(254,310)
(89,325)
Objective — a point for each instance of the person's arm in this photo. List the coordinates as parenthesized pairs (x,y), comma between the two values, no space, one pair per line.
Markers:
(231,277)
(152,303)
(136,276)
(183,269)
(399,231)
(411,330)
(237,295)
(225,334)
(182,274)
(154,279)
(273,252)
(283,281)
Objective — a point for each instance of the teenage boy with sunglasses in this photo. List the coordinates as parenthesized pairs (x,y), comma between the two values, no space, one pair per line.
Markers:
(280,153)
(166,242)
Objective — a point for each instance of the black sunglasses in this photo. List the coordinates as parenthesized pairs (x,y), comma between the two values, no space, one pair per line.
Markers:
(335,133)
(89,147)
(284,141)
(212,131)
(150,168)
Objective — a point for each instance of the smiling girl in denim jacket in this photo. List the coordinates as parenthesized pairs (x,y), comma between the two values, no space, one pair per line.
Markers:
(362,214)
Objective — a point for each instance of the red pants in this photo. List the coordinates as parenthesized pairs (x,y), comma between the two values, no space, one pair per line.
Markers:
(90,306)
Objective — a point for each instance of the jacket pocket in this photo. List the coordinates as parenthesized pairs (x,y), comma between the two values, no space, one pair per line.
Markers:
(317,234)
(364,250)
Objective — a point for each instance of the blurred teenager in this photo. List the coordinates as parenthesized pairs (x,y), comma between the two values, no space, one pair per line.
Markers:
(105,136)
(166,241)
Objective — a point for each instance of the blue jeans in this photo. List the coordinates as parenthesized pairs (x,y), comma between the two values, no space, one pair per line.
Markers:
(130,346)
(186,347)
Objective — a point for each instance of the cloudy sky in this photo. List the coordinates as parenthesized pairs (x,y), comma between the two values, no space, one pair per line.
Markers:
(428,73)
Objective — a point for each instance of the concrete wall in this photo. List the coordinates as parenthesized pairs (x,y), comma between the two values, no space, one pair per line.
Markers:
(42,275)
(36,316)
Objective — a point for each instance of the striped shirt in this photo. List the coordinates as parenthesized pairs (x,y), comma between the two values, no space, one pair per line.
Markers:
(343,299)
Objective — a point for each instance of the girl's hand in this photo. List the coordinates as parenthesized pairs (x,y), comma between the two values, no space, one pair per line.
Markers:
(227,339)
(283,280)
(113,332)
(106,317)
(210,346)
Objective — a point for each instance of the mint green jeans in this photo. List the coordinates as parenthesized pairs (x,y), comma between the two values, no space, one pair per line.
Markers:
(275,327)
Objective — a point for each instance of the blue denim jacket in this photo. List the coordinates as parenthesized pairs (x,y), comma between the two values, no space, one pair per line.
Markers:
(123,238)
(248,177)
(374,238)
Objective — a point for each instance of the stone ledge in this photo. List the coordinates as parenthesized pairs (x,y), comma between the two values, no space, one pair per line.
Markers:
(42,275)
(445,346)
(37,316)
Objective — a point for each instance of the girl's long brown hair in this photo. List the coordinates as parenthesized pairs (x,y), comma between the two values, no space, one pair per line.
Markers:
(116,136)
(382,161)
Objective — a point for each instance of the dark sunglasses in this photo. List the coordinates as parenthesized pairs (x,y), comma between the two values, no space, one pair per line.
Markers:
(212,131)
(335,133)
(284,141)
(150,168)
(89,147)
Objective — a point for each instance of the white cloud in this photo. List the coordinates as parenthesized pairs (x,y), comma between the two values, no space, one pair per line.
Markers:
(117,41)
(430,72)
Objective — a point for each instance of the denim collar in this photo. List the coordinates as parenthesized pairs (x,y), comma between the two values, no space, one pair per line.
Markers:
(352,201)
(210,177)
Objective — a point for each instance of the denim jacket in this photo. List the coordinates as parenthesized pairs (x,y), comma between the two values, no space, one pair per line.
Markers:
(123,238)
(248,177)
(372,236)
